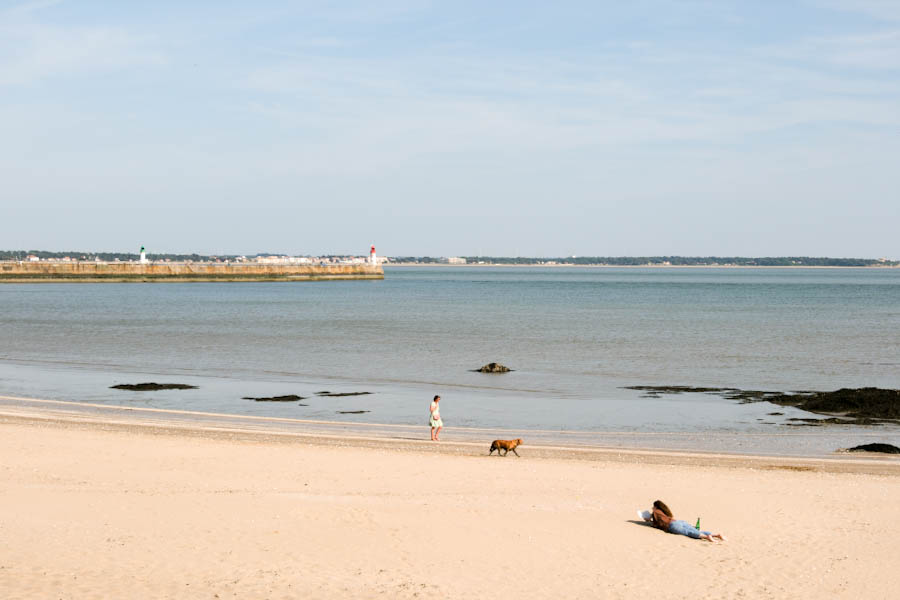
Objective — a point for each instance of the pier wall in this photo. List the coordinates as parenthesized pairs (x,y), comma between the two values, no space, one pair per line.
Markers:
(14,271)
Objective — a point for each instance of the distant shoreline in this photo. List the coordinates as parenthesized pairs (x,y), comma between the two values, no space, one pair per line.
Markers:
(646,266)
(34,257)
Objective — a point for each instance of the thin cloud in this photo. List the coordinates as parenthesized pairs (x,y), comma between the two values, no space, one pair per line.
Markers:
(27,8)
(874,51)
(888,10)
(33,52)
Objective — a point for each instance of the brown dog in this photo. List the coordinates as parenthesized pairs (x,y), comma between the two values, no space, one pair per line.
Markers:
(506,446)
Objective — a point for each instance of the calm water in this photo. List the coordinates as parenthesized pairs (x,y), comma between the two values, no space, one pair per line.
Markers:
(574,336)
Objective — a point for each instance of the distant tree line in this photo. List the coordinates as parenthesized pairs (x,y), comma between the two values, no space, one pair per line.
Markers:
(416,259)
(773,261)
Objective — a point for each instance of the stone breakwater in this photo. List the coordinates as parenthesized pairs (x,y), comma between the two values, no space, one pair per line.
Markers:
(20,272)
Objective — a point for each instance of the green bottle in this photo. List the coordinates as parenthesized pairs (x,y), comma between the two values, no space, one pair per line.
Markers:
(698,524)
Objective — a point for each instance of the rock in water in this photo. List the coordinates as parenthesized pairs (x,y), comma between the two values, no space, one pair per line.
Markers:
(884,448)
(493,368)
(288,398)
(152,387)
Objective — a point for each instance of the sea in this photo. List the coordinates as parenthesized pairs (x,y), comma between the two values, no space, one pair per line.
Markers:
(575,338)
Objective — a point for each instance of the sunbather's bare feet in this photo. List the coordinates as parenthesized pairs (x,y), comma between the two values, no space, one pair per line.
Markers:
(720,536)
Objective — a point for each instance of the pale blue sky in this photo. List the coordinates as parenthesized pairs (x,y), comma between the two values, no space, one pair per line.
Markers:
(504,128)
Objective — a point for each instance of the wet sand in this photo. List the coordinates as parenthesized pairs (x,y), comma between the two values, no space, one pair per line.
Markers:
(799,442)
(98,507)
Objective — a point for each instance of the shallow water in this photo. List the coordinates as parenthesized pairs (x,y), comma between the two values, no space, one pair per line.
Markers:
(574,337)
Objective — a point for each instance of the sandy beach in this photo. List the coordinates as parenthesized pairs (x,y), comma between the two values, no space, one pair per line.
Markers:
(103,508)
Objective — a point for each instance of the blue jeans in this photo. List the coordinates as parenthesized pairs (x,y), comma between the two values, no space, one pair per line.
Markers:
(685,528)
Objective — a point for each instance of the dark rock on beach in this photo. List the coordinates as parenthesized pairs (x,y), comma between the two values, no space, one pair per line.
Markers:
(341,394)
(288,398)
(352,412)
(493,368)
(861,406)
(152,387)
(862,403)
(884,448)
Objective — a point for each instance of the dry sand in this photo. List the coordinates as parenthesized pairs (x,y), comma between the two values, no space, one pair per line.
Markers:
(103,509)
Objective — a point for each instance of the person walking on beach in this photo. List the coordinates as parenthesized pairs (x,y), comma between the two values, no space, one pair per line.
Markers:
(662,518)
(434,419)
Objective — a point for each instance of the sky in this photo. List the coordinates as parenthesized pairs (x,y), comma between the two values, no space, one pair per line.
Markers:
(691,127)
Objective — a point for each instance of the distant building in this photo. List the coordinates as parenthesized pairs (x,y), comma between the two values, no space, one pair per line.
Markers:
(453,260)
(282,260)
(271,260)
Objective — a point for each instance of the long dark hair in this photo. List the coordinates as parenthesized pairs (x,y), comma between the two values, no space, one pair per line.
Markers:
(662,506)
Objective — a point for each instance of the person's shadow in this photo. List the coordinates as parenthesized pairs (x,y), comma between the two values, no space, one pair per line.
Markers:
(641,522)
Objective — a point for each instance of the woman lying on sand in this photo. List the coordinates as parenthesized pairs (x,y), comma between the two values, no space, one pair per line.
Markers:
(662,518)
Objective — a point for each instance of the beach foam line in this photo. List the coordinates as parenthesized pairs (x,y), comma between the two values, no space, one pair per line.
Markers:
(560,432)
(175,411)
(837,463)
(645,456)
